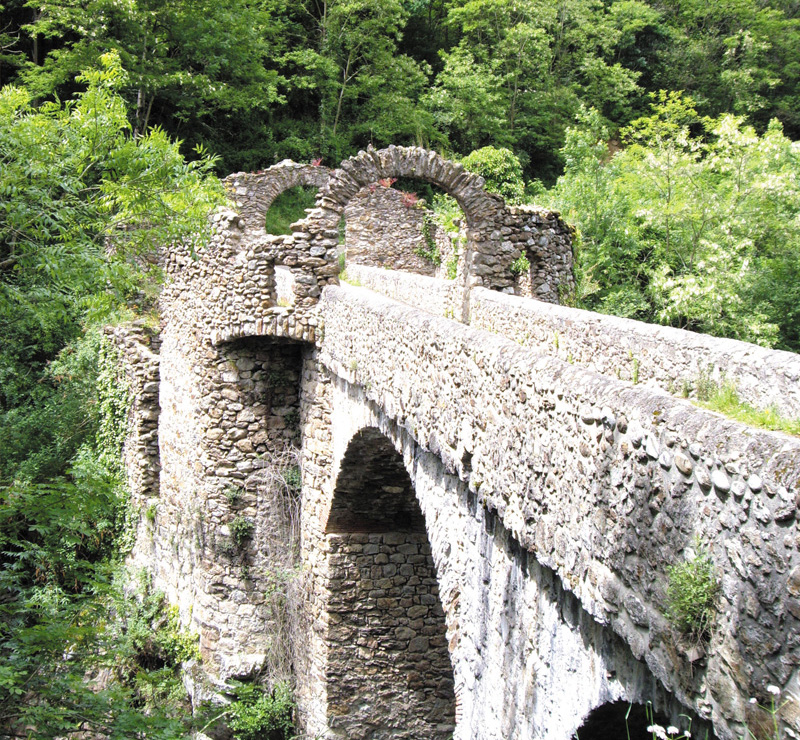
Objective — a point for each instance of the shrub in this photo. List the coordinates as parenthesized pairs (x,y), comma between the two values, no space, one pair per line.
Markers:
(242,530)
(521,265)
(501,171)
(257,714)
(692,594)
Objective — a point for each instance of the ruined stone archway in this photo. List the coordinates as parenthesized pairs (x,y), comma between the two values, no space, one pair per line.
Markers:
(388,670)
(481,209)
(254,192)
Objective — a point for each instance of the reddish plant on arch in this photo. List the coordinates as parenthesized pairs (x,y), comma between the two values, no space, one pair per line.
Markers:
(410,199)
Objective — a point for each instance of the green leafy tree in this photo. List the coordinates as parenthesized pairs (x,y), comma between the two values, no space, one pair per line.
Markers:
(501,171)
(83,203)
(741,57)
(367,90)
(520,71)
(691,224)
(202,69)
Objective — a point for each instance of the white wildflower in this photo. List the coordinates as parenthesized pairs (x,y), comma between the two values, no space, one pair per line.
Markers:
(657,731)
(774,690)
(672,730)
(753,700)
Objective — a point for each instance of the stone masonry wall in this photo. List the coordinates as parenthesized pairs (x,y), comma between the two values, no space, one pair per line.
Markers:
(440,297)
(384,230)
(221,535)
(388,669)
(546,241)
(661,356)
(139,346)
(317,462)
(528,661)
(606,485)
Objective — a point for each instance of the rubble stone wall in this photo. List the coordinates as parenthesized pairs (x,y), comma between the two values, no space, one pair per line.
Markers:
(527,660)
(385,230)
(138,347)
(388,668)
(222,534)
(440,297)
(661,356)
(542,237)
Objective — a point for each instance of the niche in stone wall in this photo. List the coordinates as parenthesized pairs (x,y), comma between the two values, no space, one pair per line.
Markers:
(252,527)
(388,670)
(405,224)
(259,397)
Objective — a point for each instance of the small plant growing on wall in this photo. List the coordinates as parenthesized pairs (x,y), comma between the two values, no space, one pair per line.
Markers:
(242,530)
(233,495)
(293,478)
(410,200)
(692,592)
(430,251)
(521,265)
(150,513)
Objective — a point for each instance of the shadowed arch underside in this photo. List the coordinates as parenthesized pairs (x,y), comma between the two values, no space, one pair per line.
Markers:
(388,667)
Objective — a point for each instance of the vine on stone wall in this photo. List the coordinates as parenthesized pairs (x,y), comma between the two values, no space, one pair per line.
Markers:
(430,251)
(114,402)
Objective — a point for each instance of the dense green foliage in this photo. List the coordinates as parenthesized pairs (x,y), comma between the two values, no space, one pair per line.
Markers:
(694,223)
(72,174)
(257,82)
(665,131)
(288,207)
(258,714)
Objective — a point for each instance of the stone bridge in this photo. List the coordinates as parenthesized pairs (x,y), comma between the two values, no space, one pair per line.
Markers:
(493,486)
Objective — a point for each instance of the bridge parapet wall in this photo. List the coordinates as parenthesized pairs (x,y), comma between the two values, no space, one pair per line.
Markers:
(672,359)
(436,296)
(605,483)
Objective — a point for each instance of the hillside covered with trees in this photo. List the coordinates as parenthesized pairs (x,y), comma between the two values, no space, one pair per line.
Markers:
(666,131)
(256,82)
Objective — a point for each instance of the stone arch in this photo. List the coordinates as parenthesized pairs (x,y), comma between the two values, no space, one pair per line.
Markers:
(388,670)
(254,192)
(617,719)
(481,210)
